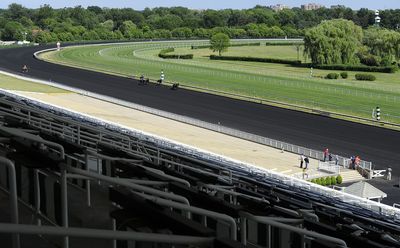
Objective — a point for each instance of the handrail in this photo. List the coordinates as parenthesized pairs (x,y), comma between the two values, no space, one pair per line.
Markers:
(105,234)
(274,223)
(29,136)
(131,185)
(13,197)
(192,209)
(234,193)
(158,172)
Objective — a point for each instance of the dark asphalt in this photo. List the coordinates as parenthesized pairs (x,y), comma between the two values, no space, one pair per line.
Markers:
(381,146)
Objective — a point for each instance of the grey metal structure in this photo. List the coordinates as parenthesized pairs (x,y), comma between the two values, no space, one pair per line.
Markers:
(236,187)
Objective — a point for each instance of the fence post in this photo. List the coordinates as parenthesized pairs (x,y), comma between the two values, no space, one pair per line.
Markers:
(13,197)
(64,204)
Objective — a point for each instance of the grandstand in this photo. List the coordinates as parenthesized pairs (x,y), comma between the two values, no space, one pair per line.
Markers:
(82,181)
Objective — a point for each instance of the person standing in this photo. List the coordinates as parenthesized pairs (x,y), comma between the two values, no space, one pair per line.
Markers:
(357,162)
(353,162)
(326,153)
(307,161)
(301,160)
(336,159)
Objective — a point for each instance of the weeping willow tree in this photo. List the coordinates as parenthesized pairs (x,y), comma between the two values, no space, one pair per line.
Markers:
(333,42)
(383,43)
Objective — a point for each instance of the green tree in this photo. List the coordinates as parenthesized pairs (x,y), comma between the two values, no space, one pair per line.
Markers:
(44,12)
(16,11)
(333,42)
(182,33)
(108,25)
(383,43)
(13,31)
(130,30)
(219,42)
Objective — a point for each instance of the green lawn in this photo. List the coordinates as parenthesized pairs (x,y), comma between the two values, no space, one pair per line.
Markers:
(281,52)
(268,81)
(11,83)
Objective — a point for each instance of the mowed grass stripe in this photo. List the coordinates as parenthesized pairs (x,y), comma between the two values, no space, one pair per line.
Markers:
(11,83)
(269,81)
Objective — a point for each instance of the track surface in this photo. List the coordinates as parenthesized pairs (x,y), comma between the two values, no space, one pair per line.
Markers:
(381,146)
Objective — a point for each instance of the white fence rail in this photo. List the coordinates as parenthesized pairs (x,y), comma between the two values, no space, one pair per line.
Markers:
(329,166)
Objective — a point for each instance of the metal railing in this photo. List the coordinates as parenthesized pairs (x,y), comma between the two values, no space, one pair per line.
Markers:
(274,222)
(123,138)
(106,234)
(329,166)
(13,197)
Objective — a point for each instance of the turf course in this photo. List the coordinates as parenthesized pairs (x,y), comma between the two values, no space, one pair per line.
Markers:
(277,82)
(11,83)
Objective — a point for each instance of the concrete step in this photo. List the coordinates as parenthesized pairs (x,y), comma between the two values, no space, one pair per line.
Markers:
(351,176)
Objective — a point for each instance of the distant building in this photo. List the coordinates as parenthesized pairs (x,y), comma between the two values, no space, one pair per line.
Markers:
(311,6)
(338,6)
(279,7)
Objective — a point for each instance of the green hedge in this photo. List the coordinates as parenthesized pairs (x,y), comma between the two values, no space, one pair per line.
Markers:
(339,179)
(384,69)
(255,59)
(344,75)
(329,180)
(332,76)
(231,45)
(284,43)
(164,54)
(365,77)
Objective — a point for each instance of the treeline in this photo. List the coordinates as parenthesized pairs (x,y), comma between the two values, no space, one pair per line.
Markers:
(46,24)
(341,42)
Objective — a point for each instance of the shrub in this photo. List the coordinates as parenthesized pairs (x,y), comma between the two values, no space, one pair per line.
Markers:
(339,179)
(365,77)
(333,180)
(323,183)
(364,68)
(344,75)
(255,59)
(290,43)
(332,76)
(164,54)
(312,180)
(318,181)
(328,181)
(231,45)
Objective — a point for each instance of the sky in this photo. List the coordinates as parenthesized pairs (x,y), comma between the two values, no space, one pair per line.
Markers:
(201,4)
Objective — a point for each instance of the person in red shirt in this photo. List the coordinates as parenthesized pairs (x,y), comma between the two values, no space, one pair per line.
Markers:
(357,161)
(326,154)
